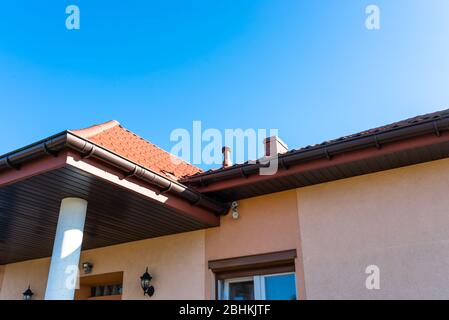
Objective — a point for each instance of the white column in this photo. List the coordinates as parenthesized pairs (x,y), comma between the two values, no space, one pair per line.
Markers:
(66,250)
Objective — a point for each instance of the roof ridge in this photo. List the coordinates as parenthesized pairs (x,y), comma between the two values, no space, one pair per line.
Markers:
(372,131)
(96,129)
(410,120)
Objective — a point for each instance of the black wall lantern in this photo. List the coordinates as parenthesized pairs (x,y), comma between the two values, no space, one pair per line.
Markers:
(27,294)
(145,280)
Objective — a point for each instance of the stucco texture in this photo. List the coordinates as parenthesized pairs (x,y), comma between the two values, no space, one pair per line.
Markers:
(176,263)
(266,224)
(397,220)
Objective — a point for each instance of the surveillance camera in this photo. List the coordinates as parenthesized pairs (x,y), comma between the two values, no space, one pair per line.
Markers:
(235,214)
(87,267)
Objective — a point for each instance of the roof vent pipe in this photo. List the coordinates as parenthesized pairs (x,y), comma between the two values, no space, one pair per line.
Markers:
(226,156)
(274,146)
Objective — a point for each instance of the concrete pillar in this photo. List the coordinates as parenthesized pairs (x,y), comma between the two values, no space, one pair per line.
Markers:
(63,272)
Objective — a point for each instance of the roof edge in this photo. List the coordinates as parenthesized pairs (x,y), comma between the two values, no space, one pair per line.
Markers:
(95,129)
(294,157)
(69,140)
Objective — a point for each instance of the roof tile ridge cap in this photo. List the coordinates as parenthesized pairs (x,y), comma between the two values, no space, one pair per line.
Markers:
(163,150)
(95,129)
(382,128)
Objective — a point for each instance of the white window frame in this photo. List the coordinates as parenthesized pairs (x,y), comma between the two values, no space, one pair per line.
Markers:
(259,285)
(225,286)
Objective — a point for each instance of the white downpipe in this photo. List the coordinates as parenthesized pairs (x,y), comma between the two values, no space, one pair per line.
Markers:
(63,272)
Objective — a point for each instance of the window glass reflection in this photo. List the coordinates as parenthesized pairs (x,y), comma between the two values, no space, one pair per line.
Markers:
(280,287)
(241,290)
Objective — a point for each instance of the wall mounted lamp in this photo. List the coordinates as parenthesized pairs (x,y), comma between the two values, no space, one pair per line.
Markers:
(145,280)
(27,294)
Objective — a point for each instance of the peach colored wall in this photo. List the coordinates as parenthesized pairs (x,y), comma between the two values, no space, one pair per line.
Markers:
(2,272)
(17,277)
(266,224)
(179,262)
(176,263)
(397,220)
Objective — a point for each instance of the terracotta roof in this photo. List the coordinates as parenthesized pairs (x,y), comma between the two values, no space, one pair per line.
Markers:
(112,136)
(393,126)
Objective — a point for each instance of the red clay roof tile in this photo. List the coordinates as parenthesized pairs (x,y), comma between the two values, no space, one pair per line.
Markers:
(112,136)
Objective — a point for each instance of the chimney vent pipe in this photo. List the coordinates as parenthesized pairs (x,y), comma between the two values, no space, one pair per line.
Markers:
(226,156)
(274,146)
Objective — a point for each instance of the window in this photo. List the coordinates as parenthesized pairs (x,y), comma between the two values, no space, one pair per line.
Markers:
(279,287)
(266,276)
(106,290)
(106,286)
(238,289)
(261,287)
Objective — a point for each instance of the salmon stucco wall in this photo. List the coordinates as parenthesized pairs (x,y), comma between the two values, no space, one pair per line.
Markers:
(17,277)
(2,272)
(176,263)
(266,224)
(397,220)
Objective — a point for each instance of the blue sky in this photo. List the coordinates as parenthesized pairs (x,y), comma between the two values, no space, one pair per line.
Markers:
(309,68)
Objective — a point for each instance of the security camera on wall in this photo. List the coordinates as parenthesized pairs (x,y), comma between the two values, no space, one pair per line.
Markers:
(235,213)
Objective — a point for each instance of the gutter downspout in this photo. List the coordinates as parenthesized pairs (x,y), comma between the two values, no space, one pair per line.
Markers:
(436,126)
(67,139)
(89,149)
(15,159)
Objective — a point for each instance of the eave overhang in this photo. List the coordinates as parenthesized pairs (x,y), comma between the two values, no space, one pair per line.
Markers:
(126,202)
(367,153)
(86,149)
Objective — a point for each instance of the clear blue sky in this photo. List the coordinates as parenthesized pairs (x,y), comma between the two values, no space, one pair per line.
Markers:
(309,68)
